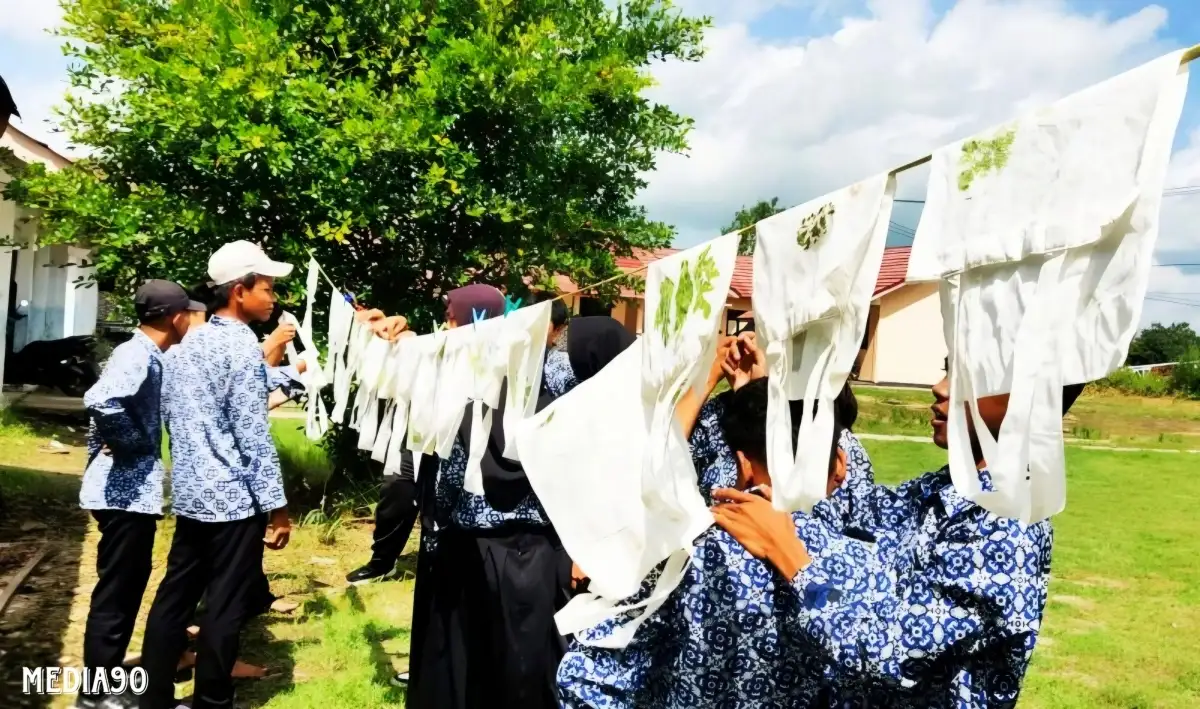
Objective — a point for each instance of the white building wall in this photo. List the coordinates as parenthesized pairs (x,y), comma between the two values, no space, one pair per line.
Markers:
(910,344)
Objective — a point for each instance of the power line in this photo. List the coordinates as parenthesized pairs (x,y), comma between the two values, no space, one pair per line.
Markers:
(1170,301)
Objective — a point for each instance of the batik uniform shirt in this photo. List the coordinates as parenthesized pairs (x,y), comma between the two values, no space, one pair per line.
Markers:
(722,638)
(949,616)
(224,463)
(557,374)
(716,465)
(468,511)
(125,418)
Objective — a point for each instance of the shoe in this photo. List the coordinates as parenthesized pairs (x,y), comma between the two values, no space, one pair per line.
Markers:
(400,679)
(368,574)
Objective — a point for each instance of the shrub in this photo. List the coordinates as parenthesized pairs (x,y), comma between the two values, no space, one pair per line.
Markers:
(1185,378)
(1128,381)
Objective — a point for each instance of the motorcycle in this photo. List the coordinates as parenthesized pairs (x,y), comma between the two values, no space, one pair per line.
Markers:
(68,365)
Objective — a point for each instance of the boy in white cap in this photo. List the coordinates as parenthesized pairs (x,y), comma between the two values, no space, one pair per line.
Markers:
(227,487)
(122,485)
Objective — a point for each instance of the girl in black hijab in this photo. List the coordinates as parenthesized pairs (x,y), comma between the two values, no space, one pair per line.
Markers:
(498,573)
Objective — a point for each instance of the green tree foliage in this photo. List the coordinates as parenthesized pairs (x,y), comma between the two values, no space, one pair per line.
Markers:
(412,145)
(748,217)
(1158,344)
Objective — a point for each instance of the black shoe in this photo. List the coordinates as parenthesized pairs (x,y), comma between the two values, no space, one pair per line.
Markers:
(368,574)
(400,679)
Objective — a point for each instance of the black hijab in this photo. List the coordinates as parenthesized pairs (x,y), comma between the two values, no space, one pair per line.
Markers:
(593,342)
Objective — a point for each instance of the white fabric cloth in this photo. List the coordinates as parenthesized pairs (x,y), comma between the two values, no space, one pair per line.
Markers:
(584,482)
(1044,259)
(685,301)
(427,359)
(341,319)
(474,365)
(313,378)
(815,268)
(525,333)
(616,433)
(583,457)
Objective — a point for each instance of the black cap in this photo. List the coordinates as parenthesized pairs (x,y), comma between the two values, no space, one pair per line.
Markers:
(157,299)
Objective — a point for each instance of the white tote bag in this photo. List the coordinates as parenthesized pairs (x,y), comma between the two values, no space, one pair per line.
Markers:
(815,268)
(422,411)
(685,309)
(583,455)
(525,333)
(1044,259)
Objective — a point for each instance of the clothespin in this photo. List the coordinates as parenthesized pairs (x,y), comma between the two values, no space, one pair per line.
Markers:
(511,305)
(478,315)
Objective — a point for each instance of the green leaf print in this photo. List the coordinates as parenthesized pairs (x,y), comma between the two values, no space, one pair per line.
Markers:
(683,297)
(815,226)
(662,316)
(706,273)
(980,157)
(678,301)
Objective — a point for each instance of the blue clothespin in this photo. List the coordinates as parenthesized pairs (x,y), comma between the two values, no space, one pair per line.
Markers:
(511,305)
(349,297)
(478,315)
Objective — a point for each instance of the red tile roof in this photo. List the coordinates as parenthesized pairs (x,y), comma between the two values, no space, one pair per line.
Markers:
(893,268)
(891,272)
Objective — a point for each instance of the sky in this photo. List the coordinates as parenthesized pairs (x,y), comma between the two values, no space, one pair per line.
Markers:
(796,98)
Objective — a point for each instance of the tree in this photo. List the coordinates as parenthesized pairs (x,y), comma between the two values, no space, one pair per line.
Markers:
(748,217)
(411,145)
(1158,344)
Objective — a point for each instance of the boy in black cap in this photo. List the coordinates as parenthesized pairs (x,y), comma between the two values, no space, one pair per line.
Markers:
(123,483)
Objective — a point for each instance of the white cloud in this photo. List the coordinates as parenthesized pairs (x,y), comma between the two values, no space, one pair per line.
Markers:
(795,119)
(29,21)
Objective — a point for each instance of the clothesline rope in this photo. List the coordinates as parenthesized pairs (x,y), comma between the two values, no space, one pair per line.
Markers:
(1190,55)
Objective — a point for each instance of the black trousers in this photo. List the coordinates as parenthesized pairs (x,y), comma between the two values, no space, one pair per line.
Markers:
(123,563)
(395,516)
(221,561)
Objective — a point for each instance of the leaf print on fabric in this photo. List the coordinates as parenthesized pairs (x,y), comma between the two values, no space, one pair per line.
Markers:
(980,157)
(662,316)
(814,227)
(706,273)
(678,301)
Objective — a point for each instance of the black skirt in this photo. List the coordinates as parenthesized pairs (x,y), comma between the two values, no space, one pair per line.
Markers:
(483,620)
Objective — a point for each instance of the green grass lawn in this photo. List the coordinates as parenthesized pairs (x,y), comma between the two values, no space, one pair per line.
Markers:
(1097,418)
(1122,627)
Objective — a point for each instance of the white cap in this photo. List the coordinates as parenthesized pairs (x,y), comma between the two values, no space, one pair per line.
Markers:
(241,258)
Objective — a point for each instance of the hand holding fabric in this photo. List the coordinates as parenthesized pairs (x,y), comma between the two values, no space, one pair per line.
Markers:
(282,335)
(765,532)
(745,363)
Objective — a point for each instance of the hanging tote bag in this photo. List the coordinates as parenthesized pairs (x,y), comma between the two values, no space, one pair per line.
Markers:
(525,333)
(1042,233)
(815,268)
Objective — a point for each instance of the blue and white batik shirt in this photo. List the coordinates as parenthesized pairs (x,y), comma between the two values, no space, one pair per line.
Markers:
(224,463)
(125,418)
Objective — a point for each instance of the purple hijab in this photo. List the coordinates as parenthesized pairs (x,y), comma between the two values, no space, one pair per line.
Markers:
(464,303)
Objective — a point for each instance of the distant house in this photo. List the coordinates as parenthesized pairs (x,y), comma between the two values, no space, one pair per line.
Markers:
(904,343)
(55,280)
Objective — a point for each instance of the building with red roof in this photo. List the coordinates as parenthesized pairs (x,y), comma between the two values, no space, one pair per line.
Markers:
(904,343)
